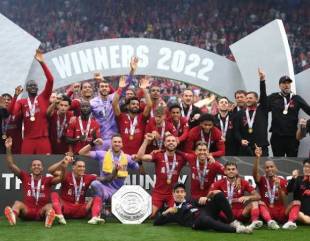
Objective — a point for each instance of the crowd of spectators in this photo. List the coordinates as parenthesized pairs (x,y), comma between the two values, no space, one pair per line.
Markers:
(209,24)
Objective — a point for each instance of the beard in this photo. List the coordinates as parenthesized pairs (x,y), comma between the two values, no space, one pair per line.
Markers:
(171,148)
(134,111)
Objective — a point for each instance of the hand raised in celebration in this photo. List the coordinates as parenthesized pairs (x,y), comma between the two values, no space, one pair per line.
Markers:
(67,160)
(134,63)
(261,74)
(98,142)
(144,83)
(258,151)
(39,56)
(18,90)
(122,82)
(149,137)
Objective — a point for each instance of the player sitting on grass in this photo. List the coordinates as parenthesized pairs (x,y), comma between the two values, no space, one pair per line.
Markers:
(272,189)
(36,191)
(72,200)
(240,194)
(200,217)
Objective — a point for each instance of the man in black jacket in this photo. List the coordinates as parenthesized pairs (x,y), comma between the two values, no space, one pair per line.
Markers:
(188,109)
(251,124)
(300,187)
(285,106)
(200,216)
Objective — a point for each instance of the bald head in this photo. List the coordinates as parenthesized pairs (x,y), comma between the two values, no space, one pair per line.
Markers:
(32,87)
(270,168)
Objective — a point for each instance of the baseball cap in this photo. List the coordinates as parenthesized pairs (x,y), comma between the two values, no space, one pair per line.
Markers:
(284,79)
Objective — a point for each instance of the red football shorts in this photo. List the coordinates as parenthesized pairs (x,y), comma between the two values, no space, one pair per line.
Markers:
(32,213)
(158,200)
(72,210)
(278,213)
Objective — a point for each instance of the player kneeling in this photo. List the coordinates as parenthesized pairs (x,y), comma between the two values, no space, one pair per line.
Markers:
(36,191)
(71,203)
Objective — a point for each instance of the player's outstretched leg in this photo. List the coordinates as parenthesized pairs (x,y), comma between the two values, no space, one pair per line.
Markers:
(57,208)
(96,205)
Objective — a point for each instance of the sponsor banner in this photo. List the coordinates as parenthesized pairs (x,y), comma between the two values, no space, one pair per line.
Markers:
(10,185)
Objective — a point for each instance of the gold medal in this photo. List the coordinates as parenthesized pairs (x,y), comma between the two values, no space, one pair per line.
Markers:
(250,130)
(201,186)
(32,118)
(58,141)
(168,181)
(4,136)
(130,137)
(285,112)
(271,205)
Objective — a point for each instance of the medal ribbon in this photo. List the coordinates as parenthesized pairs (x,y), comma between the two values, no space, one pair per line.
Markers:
(133,124)
(168,170)
(250,121)
(204,140)
(286,105)
(188,113)
(32,108)
(77,190)
(35,191)
(201,174)
(224,127)
(161,140)
(83,131)
(271,193)
(230,191)
(60,127)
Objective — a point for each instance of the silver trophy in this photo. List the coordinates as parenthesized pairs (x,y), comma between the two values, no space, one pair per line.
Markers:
(131,204)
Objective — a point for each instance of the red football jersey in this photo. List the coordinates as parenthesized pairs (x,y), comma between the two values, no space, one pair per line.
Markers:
(212,170)
(161,185)
(74,131)
(38,127)
(29,196)
(182,128)
(217,144)
(131,146)
(263,190)
(151,126)
(59,146)
(67,191)
(245,186)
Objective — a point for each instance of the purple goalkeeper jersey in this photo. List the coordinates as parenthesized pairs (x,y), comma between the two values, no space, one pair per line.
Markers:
(118,182)
(103,112)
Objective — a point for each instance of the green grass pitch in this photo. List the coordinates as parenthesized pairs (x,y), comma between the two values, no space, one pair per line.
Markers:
(79,230)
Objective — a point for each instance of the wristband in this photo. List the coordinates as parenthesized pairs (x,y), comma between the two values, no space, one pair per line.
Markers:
(91,143)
